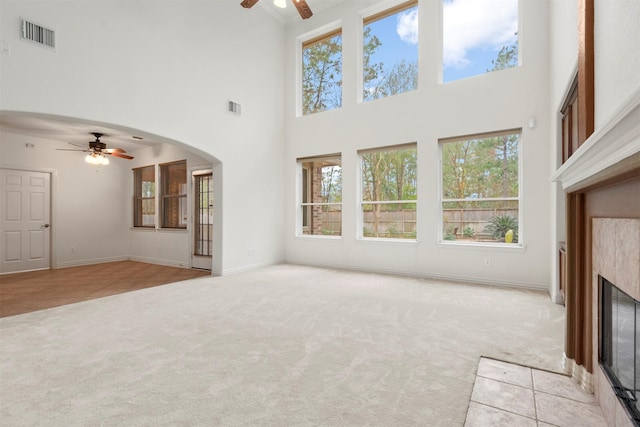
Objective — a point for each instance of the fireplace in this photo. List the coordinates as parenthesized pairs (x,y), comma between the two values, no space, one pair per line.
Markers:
(620,345)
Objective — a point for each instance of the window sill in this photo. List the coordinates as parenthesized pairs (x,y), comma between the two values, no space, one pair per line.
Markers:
(483,245)
(386,241)
(318,237)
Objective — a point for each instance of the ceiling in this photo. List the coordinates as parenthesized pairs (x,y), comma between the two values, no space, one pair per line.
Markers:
(290,14)
(79,132)
(73,131)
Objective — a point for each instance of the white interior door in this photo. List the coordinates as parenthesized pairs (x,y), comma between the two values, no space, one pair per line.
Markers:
(24,220)
(203,220)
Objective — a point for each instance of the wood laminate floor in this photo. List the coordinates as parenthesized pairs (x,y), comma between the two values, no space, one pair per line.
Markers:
(38,290)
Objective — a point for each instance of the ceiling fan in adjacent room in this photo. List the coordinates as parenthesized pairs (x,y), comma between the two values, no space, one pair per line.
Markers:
(98,151)
(303,8)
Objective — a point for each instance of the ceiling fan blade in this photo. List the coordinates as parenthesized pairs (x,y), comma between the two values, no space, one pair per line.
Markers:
(303,8)
(248,3)
(123,156)
(114,150)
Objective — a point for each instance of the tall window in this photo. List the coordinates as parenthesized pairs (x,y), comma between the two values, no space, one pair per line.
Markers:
(569,111)
(479,36)
(390,51)
(322,73)
(321,195)
(144,197)
(480,188)
(389,194)
(173,206)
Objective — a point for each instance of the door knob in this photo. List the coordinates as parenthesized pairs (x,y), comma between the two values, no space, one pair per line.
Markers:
(45,226)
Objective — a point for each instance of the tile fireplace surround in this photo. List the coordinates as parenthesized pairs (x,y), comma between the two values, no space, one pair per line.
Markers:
(616,256)
(612,151)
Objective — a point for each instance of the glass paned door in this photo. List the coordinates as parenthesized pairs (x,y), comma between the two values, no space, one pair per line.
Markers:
(203,220)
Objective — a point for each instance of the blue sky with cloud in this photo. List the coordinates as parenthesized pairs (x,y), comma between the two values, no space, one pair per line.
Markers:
(474,31)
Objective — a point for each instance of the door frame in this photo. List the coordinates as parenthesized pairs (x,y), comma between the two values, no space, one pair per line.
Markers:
(193,171)
(53,208)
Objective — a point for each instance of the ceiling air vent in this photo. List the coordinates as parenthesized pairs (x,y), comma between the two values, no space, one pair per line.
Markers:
(39,34)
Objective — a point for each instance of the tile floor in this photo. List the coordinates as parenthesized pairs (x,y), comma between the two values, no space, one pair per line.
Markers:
(506,394)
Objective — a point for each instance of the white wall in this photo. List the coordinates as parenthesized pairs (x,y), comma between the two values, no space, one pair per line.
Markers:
(168,68)
(617,75)
(167,247)
(617,55)
(90,213)
(563,63)
(495,101)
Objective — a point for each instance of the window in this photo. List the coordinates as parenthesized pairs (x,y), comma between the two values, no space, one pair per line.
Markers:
(480,188)
(569,111)
(390,51)
(479,36)
(389,192)
(173,206)
(322,73)
(144,198)
(321,195)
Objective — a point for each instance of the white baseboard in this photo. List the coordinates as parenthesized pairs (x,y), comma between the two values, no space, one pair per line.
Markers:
(444,277)
(166,262)
(89,262)
(250,267)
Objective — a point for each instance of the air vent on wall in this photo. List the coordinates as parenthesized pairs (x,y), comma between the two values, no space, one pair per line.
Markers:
(39,34)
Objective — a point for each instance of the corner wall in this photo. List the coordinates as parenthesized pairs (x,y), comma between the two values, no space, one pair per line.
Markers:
(491,102)
(169,69)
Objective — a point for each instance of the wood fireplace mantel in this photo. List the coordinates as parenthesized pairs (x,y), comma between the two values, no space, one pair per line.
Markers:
(611,151)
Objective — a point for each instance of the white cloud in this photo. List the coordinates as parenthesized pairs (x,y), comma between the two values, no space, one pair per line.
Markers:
(472,24)
(407,27)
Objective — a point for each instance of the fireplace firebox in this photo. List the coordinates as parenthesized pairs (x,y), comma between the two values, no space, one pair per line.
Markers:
(620,345)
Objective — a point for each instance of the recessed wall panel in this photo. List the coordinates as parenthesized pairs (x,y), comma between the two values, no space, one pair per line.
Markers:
(12,245)
(12,206)
(36,245)
(13,180)
(36,206)
(36,181)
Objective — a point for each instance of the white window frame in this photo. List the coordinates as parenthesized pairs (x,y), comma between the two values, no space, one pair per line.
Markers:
(521,235)
(361,202)
(365,14)
(301,204)
(300,41)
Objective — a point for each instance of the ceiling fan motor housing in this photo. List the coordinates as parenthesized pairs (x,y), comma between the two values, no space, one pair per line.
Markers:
(97,146)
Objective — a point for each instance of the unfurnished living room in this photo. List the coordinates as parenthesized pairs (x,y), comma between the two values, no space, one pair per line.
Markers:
(320,213)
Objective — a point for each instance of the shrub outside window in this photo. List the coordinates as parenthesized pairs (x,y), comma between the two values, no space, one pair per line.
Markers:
(322,73)
(389,192)
(390,51)
(174,194)
(480,188)
(479,36)
(144,198)
(321,195)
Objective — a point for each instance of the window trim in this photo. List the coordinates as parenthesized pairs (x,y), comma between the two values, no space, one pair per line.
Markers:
(163,196)
(308,39)
(137,197)
(494,245)
(371,15)
(300,226)
(360,202)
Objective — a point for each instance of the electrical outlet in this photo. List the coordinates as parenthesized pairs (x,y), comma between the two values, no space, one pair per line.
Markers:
(72,250)
(487,262)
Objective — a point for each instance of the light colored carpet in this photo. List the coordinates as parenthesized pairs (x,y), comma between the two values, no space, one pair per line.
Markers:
(281,346)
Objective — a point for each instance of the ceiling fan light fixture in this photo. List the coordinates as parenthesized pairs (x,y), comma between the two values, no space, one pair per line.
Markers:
(280,3)
(96,159)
